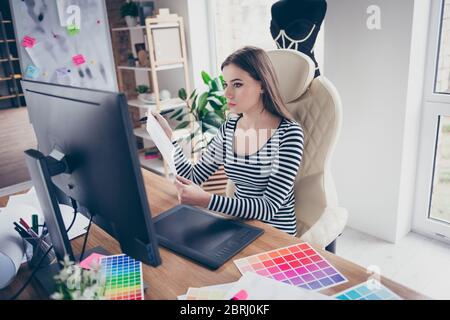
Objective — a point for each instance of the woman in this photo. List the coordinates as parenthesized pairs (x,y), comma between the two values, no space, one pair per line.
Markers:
(260,146)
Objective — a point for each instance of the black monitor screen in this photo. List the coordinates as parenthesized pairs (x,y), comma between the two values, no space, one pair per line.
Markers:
(93,129)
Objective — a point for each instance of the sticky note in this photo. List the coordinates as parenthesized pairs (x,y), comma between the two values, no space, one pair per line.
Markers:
(72,30)
(78,60)
(91,260)
(32,72)
(62,72)
(28,42)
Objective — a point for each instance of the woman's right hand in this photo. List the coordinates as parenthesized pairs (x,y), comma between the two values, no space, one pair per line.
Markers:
(164,124)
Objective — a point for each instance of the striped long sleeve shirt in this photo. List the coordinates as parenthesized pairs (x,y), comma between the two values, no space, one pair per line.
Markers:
(264,180)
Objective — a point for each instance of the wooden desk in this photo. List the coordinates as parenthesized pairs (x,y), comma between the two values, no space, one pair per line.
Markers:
(177,274)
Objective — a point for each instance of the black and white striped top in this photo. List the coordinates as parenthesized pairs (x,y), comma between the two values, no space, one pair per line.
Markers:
(264,180)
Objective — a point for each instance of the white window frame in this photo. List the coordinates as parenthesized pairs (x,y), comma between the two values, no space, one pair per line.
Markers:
(433,106)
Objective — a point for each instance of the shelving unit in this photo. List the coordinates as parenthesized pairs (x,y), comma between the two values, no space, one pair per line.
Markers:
(163,21)
(10,66)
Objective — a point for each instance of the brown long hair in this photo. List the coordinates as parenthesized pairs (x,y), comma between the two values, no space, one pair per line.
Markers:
(257,64)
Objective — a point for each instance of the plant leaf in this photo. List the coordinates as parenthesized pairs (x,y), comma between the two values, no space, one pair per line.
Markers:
(182,94)
(206,78)
(181,117)
(192,135)
(194,103)
(215,103)
(182,125)
(213,119)
(202,101)
(197,150)
(198,146)
(220,114)
(213,85)
(176,114)
(193,94)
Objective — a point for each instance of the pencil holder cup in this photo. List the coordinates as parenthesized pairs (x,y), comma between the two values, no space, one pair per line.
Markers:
(36,249)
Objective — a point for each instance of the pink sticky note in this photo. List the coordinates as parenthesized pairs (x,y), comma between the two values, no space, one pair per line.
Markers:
(89,261)
(78,60)
(241,295)
(28,42)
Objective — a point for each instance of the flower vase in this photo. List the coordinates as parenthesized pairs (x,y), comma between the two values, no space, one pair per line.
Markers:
(131,21)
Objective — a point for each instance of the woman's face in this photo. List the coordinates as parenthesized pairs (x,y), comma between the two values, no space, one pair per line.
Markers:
(241,90)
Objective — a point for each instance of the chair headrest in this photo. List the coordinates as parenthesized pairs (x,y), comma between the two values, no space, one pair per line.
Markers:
(291,64)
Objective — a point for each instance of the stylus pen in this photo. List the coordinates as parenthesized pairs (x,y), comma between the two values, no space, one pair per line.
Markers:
(144,119)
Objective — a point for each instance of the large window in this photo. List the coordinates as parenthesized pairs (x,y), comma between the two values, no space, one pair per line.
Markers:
(442,84)
(432,206)
(239,23)
(440,196)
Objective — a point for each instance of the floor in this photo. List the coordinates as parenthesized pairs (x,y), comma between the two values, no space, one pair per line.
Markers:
(16,135)
(417,262)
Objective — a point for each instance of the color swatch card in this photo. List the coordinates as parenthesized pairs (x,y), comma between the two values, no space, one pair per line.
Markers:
(214,288)
(252,286)
(368,291)
(299,265)
(205,294)
(123,278)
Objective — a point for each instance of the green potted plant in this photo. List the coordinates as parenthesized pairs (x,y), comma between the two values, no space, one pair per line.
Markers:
(130,11)
(144,95)
(206,111)
(131,60)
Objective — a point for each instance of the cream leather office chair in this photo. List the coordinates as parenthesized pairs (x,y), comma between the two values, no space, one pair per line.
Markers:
(316,105)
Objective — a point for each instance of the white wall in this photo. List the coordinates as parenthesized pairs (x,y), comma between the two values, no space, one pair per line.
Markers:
(414,103)
(374,72)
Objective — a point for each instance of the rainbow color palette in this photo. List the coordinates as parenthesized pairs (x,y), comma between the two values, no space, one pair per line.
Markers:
(123,278)
(299,265)
(366,291)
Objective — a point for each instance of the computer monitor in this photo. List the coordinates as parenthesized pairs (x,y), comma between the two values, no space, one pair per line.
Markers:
(88,150)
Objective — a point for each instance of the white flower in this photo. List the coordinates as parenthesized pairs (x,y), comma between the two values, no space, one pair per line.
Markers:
(57,296)
(76,283)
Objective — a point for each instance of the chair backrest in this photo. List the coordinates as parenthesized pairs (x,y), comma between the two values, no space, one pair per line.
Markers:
(315,104)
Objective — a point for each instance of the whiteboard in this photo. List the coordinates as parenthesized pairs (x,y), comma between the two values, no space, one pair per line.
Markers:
(65,42)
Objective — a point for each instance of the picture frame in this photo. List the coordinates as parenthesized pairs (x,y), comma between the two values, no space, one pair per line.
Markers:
(146,9)
(167,43)
(142,54)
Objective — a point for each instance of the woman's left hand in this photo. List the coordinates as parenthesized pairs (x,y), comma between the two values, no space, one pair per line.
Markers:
(191,194)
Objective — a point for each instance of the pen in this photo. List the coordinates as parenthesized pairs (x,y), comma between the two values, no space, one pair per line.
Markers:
(18,226)
(28,233)
(144,119)
(22,233)
(35,223)
(24,223)
(29,230)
